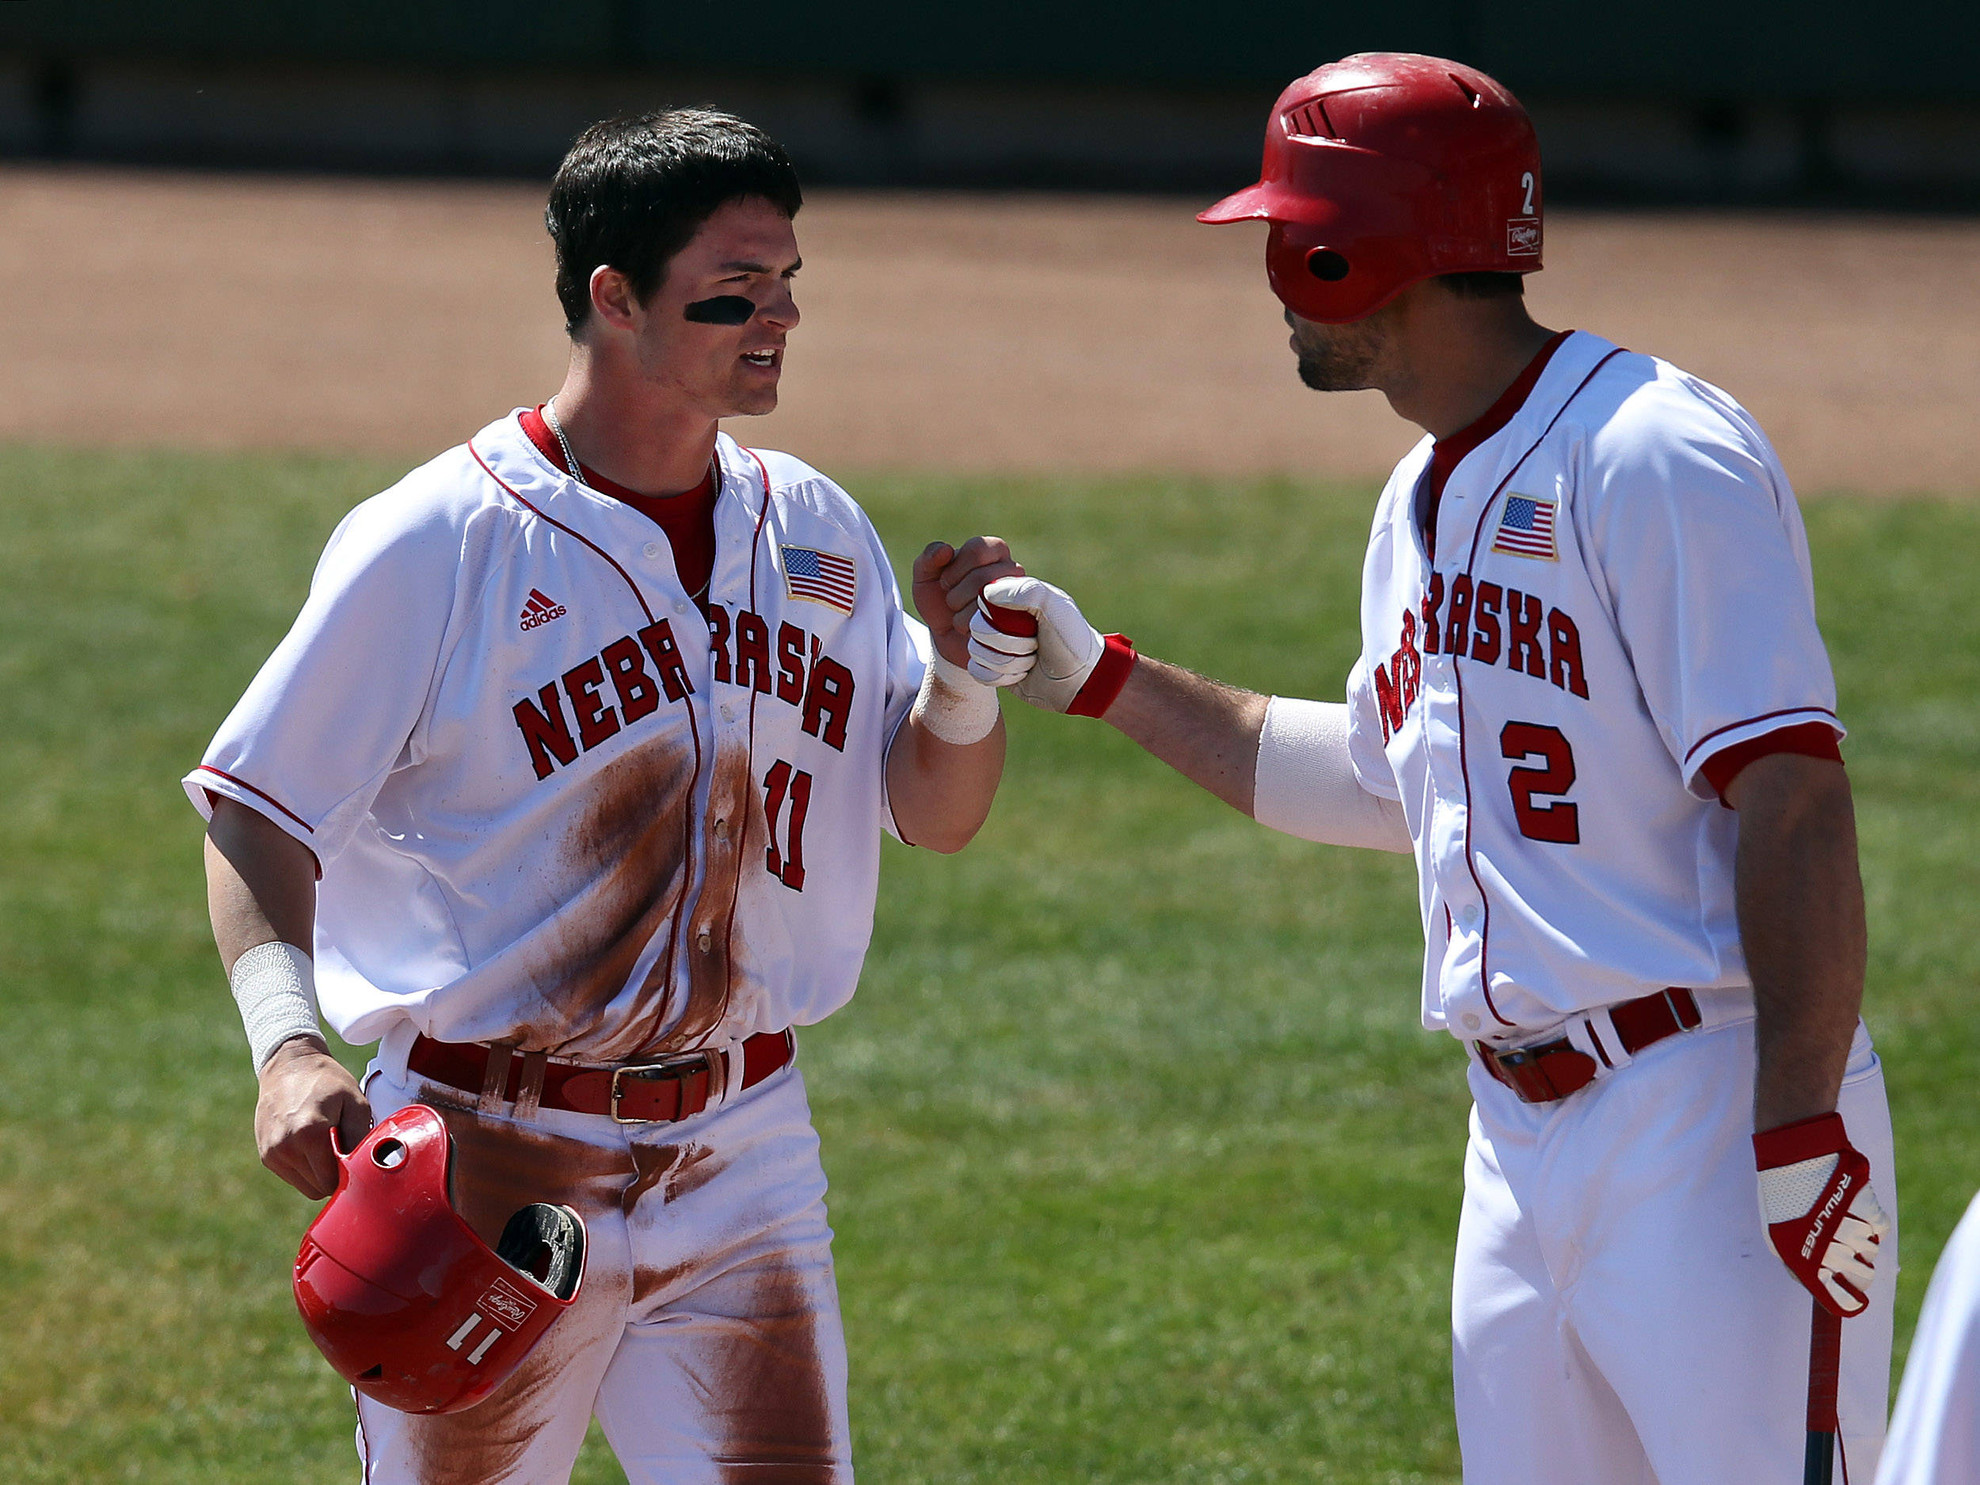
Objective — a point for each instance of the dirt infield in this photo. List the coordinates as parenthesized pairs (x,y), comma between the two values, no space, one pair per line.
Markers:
(941,332)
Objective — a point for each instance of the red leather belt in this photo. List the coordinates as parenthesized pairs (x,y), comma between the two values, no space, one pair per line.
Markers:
(1555,1069)
(663,1091)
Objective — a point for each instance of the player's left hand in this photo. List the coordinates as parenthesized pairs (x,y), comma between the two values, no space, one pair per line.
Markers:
(1821,1215)
(947,581)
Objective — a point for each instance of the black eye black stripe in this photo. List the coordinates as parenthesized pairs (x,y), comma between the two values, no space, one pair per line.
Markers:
(723,309)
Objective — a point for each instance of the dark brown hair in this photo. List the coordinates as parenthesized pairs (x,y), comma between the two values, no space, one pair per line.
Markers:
(634,189)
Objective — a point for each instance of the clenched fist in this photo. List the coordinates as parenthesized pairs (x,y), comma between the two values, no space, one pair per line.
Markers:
(1063,665)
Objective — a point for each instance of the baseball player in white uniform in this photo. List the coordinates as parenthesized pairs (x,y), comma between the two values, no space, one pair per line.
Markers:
(1593,700)
(567,788)
(1935,1427)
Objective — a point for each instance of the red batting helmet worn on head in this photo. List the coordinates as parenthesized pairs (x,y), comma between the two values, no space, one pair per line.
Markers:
(1387,168)
(410,1306)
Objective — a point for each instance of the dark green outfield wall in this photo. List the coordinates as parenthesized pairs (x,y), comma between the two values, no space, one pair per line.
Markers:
(1845,53)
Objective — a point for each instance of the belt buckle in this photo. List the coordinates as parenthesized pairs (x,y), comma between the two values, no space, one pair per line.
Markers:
(1522,1070)
(1519,1069)
(677,1069)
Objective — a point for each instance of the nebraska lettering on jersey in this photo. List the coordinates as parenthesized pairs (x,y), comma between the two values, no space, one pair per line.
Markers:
(545,727)
(571,714)
(1483,623)
(803,676)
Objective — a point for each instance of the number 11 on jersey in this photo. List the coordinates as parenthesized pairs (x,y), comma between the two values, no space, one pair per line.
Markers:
(782,782)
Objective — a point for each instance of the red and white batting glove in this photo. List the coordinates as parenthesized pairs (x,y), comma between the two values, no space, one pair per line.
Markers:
(1821,1215)
(1030,635)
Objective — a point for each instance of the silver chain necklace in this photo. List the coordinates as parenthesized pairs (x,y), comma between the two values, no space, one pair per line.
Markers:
(557,427)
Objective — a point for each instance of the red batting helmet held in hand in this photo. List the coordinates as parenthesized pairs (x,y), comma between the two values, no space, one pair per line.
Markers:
(410,1306)
(1387,168)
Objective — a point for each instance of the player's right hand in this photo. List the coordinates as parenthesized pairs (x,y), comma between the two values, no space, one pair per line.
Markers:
(305,1094)
(1048,669)
(1822,1218)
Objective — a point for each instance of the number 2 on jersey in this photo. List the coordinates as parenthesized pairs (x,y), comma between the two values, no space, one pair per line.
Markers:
(783,781)
(1559,822)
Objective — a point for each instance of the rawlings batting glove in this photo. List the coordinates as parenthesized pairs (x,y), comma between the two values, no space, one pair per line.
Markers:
(1821,1215)
(1064,665)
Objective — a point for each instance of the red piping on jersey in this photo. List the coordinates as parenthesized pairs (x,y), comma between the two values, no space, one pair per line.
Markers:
(742,836)
(1450,451)
(258,793)
(1457,676)
(688,519)
(1787,711)
(552,520)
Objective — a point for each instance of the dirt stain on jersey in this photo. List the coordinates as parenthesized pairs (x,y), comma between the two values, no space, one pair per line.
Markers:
(629,846)
(713,938)
(771,1400)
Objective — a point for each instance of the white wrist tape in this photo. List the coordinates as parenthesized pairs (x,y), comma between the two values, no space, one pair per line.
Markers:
(1306,785)
(275,986)
(954,707)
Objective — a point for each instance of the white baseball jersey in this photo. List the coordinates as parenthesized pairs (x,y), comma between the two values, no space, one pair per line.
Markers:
(1621,590)
(550,803)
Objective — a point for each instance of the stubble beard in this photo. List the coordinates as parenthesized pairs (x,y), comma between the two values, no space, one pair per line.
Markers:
(1338,365)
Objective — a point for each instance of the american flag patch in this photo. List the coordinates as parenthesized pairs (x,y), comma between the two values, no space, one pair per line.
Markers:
(1526,529)
(821,577)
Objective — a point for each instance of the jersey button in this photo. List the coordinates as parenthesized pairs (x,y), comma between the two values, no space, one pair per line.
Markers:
(704,941)
(728,712)
(1470,916)
(1471,1021)
(721,830)
(679,607)
(652,550)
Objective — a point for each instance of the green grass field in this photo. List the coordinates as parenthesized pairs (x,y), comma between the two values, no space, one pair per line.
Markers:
(1142,1169)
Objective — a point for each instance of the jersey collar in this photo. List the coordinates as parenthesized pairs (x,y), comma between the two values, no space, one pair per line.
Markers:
(523,468)
(1494,457)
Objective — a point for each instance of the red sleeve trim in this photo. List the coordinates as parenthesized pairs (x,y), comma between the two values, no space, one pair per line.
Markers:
(1104,685)
(258,794)
(1787,711)
(1810,739)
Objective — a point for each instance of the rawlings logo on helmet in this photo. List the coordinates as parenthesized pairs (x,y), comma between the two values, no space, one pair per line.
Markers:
(503,1305)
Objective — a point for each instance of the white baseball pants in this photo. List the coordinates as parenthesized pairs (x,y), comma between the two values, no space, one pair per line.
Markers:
(706,1338)
(1935,1432)
(1617,1313)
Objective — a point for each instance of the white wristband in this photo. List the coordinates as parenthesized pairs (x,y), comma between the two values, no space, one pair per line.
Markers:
(275,986)
(954,707)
